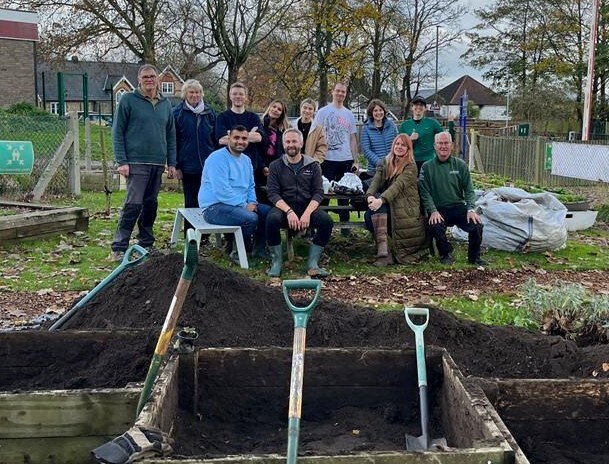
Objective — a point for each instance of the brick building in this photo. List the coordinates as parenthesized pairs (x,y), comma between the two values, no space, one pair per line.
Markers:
(18,37)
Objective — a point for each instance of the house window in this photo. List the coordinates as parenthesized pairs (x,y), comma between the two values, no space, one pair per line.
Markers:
(54,108)
(167,88)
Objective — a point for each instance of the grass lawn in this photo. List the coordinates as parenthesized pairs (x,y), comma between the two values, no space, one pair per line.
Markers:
(79,261)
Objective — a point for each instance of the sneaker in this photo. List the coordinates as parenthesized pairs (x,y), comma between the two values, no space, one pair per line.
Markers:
(479,262)
(116,256)
(447,259)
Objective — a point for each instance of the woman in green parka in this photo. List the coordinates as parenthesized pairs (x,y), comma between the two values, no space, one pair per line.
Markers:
(394,213)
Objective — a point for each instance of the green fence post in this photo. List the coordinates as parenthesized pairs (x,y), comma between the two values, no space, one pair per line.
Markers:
(61,97)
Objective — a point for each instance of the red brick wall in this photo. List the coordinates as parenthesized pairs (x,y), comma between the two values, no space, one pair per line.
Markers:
(17,71)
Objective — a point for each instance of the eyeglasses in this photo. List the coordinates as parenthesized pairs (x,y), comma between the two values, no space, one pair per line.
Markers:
(443,143)
(148,77)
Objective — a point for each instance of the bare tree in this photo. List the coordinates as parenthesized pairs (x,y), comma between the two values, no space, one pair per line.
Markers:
(239,26)
(417,41)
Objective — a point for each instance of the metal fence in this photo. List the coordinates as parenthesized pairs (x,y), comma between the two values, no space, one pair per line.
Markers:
(46,134)
(523,158)
(517,158)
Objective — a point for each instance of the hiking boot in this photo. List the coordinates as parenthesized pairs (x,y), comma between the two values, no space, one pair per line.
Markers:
(116,256)
(479,262)
(447,260)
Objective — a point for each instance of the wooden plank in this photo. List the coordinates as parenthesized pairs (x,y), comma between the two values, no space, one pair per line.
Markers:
(53,166)
(43,223)
(466,413)
(64,413)
(161,408)
(467,456)
(323,367)
(64,450)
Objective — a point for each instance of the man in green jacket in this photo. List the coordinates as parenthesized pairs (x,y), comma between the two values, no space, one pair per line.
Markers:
(422,131)
(447,193)
(144,141)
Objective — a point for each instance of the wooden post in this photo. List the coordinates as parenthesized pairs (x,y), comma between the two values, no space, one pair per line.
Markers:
(87,144)
(74,171)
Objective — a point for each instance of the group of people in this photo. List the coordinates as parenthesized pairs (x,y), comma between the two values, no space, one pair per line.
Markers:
(265,175)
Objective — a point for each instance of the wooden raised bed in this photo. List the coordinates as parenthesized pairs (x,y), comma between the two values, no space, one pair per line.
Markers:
(334,379)
(40,221)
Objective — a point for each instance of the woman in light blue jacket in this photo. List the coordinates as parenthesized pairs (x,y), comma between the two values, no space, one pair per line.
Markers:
(378,134)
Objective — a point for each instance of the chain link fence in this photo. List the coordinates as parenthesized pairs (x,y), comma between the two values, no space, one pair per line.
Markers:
(525,159)
(46,134)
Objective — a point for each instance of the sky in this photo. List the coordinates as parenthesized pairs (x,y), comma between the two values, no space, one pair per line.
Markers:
(449,62)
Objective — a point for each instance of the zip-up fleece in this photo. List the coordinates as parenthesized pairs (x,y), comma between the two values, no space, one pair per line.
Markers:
(143,132)
(295,188)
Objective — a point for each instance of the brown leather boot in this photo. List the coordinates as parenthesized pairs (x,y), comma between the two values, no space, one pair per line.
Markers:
(379,222)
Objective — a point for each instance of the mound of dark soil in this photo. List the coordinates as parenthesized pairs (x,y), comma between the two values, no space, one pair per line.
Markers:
(230,310)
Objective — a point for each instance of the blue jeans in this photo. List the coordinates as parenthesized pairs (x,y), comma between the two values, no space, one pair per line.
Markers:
(252,223)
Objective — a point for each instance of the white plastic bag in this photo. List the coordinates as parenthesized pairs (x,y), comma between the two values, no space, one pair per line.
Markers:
(349,184)
(516,220)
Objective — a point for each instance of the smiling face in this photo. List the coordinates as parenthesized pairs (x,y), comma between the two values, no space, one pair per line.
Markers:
(148,81)
(443,145)
(292,145)
(418,110)
(194,96)
(400,148)
(275,110)
(307,111)
(237,141)
(238,97)
(339,93)
(378,114)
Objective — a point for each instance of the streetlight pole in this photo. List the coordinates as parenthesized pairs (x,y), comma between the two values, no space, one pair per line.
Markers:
(437,36)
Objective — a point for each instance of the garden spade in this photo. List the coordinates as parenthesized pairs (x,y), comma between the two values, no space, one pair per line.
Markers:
(423,442)
(191,259)
(133,256)
(301,317)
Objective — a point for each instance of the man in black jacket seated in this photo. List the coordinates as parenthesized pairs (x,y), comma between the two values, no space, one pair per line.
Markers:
(295,189)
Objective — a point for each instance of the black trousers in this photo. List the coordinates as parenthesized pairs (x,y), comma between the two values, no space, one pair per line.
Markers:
(457,216)
(320,221)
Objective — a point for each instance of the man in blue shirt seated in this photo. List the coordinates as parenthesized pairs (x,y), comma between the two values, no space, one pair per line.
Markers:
(227,193)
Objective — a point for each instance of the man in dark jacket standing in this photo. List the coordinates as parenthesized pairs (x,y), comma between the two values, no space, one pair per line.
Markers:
(295,187)
(144,141)
(195,139)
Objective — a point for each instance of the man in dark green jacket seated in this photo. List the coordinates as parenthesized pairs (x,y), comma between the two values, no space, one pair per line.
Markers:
(446,190)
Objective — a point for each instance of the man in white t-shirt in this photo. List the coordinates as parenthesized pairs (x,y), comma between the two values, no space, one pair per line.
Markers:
(339,125)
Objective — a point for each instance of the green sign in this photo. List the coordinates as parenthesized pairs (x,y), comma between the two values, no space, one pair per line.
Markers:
(548,165)
(16,157)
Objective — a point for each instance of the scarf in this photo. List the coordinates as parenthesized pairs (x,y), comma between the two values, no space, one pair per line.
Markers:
(196,110)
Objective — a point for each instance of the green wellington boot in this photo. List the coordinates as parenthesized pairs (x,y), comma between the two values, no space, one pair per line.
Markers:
(277,257)
(312,262)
